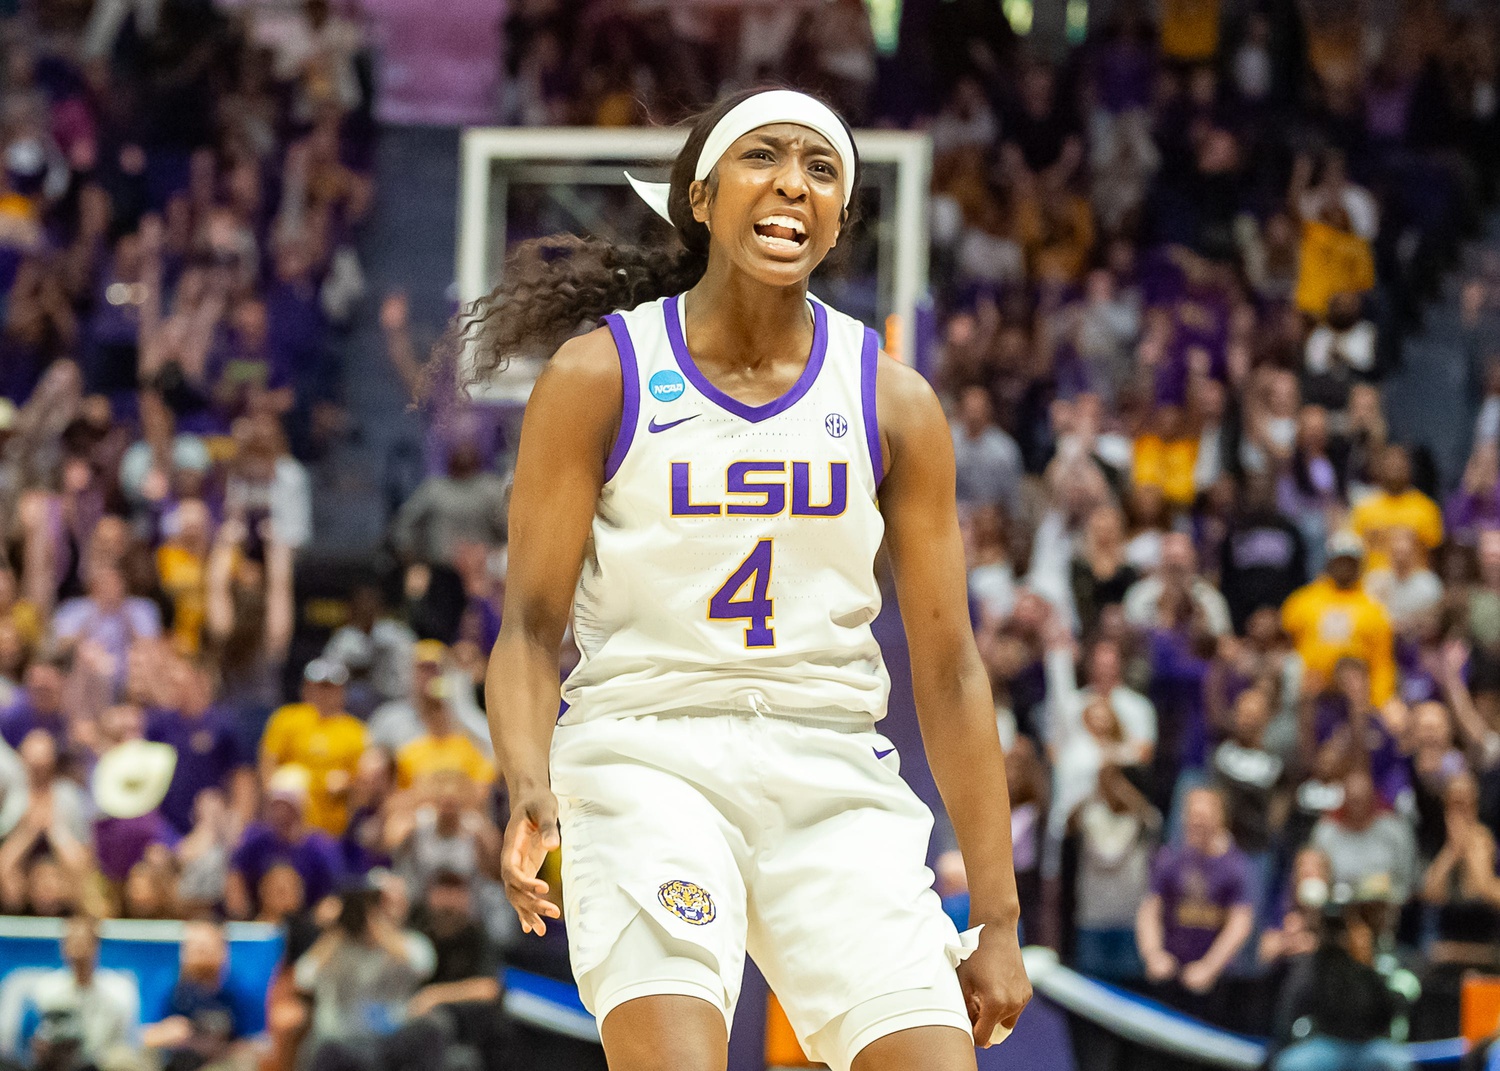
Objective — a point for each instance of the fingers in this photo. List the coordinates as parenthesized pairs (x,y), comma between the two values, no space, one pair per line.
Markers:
(528,897)
(532,834)
(984,1025)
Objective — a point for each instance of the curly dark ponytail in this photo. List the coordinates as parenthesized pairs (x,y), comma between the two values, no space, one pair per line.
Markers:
(553,286)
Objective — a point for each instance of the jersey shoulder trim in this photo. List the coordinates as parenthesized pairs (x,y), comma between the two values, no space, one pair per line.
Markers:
(869,369)
(630,407)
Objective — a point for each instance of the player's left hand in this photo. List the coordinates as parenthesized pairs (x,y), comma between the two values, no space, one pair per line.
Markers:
(994,982)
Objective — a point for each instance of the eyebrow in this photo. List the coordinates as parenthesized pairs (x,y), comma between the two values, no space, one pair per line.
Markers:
(814,144)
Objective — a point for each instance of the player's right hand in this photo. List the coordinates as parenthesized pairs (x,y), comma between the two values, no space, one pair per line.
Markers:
(530,835)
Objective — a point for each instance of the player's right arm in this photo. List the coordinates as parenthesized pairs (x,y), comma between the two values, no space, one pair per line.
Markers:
(569,428)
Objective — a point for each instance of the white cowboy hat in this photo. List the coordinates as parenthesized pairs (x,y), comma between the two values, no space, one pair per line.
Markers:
(132,778)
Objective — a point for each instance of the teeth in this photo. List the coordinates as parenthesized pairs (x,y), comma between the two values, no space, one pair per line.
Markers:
(778,243)
(782,221)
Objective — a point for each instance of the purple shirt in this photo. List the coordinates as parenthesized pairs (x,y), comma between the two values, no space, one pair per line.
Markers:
(22,717)
(1196,893)
(82,619)
(121,842)
(316,857)
(1124,75)
(208,752)
(1469,514)
(1388,767)
(1177,681)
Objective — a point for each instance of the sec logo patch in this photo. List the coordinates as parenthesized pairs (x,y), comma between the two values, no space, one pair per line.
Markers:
(689,902)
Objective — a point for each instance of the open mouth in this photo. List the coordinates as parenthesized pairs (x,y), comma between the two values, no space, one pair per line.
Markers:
(781,232)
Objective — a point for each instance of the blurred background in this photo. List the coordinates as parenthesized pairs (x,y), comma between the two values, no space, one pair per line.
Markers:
(1210,289)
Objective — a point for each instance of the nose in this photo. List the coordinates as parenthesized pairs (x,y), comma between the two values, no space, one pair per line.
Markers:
(791,183)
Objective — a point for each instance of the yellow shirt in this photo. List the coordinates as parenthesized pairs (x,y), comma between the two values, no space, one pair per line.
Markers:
(1189,29)
(1373,519)
(27,623)
(1167,464)
(328,747)
(1332,262)
(183,578)
(435,754)
(1327,624)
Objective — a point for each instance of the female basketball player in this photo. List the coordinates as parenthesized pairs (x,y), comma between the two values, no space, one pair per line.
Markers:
(697,485)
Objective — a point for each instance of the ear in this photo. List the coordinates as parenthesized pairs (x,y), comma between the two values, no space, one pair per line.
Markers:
(700,200)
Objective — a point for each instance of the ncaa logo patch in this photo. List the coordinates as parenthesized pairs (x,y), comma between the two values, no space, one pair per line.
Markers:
(689,902)
(666,386)
(835,425)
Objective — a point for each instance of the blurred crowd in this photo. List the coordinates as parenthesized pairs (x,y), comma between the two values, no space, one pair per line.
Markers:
(1245,643)
(182,194)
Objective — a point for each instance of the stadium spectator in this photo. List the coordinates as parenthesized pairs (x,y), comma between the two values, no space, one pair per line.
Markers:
(1115,831)
(1333,618)
(466,503)
(1087,729)
(1474,507)
(207,743)
(1177,572)
(1199,912)
(320,738)
(441,825)
(375,647)
(1250,776)
(38,705)
(105,1002)
(398,722)
(1397,504)
(361,975)
(466,963)
(1462,894)
(989,461)
(1299,910)
(1336,1011)
(1369,849)
(1264,559)
(282,836)
(1408,590)
(200,1024)
(1101,576)
(992,576)
(45,858)
(250,622)
(442,746)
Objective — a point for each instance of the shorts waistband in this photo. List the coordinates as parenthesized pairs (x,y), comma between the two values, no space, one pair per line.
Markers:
(837,719)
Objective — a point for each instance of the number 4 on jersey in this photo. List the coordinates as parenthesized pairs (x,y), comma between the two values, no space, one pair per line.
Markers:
(755,571)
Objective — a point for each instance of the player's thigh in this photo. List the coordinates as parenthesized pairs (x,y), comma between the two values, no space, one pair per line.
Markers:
(842,911)
(668,1032)
(921,1048)
(653,896)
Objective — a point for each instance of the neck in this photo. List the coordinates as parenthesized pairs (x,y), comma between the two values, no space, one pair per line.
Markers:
(736,320)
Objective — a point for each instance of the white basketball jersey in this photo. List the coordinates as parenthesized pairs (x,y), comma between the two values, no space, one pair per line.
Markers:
(732,559)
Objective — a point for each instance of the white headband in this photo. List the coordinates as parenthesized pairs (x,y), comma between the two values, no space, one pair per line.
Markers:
(763,109)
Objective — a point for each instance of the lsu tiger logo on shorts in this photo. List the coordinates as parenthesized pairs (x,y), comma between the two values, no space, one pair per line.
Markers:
(691,903)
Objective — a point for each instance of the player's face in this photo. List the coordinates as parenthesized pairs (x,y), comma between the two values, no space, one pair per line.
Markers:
(775,202)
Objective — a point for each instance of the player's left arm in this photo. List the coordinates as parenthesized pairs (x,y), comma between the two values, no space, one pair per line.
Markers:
(954,705)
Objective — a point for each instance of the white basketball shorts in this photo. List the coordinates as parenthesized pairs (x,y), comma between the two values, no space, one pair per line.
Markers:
(689,839)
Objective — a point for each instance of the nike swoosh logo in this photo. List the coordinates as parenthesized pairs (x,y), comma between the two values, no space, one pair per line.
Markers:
(882,754)
(654,427)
